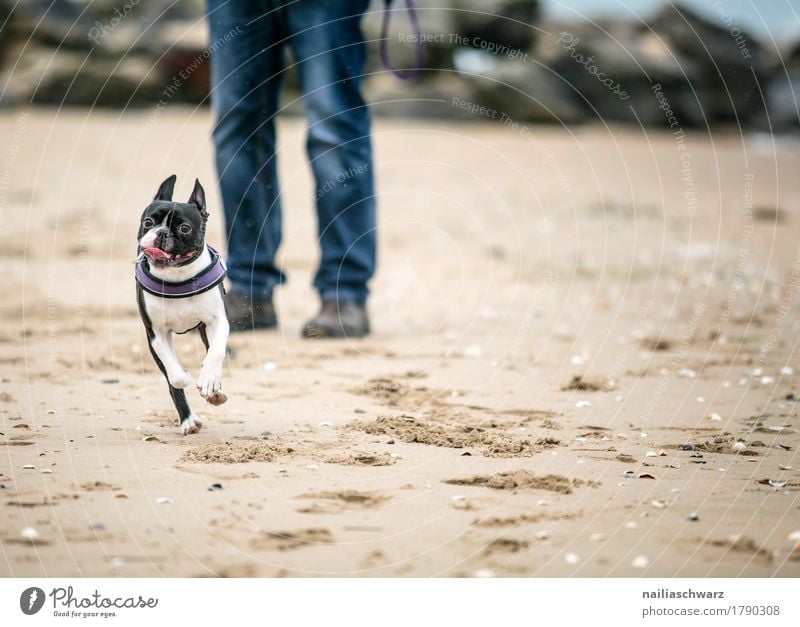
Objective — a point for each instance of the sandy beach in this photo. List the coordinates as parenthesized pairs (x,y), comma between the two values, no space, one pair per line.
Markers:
(584,362)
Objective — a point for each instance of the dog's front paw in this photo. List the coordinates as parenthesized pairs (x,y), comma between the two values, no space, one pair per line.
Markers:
(180,380)
(210,385)
(191,425)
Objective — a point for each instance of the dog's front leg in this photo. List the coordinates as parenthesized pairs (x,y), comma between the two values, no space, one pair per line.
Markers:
(210,380)
(161,344)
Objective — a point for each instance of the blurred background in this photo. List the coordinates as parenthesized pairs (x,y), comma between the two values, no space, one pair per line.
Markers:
(718,62)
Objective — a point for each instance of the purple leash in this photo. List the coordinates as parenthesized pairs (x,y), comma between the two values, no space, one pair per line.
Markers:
(406,75)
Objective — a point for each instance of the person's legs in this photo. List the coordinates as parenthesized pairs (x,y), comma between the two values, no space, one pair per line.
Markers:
(246,65)
(328,47)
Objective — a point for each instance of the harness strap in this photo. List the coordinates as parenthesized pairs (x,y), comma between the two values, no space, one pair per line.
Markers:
(208,278)
(412,73)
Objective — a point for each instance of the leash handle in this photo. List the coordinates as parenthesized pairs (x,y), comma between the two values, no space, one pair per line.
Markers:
(412,73)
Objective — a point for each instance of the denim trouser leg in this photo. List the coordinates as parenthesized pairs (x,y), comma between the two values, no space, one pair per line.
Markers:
(327,44)
(246,66)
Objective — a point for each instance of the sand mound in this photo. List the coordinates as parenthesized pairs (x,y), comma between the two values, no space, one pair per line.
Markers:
(590,384)
(361,458)
(291,540)
(337,501)
(235,453)
(494,444)
(520,480)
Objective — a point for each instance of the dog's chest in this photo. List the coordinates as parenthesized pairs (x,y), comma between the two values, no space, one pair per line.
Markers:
(181,314)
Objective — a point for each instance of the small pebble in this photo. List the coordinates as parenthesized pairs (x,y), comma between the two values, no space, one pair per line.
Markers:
(214,487)
(571,558)
(163,500)
(29,533)
(686,447)
(483,573)
(739,446)
(694,517)
(640,561)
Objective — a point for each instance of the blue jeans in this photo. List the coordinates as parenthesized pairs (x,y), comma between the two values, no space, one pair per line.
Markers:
(248,46)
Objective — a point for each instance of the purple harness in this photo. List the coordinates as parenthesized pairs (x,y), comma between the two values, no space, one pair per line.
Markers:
(209,277)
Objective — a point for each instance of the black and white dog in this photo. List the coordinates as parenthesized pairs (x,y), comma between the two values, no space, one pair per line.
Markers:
(179,289)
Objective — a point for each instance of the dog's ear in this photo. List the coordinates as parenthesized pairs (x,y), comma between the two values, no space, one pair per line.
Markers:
(198,198)
(165,190)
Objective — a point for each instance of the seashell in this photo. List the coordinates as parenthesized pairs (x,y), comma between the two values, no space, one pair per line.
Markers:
(312,467)
(542,503)
(739,446)
(29,533)
(51,412)
(270,366)
(777,484)
(794,536)
(631,524)
(150,438)
(47,471)
(22,425)
(164,500)
(483,573)
(458,497)
(542,535)
(121,495)
(571,558)
(646,475)
(214,487)
(694,517)
(651,454)
(674,465)
(640,561)
(630,474)
(659,504)
(325,423)
(687,373)
(576,360)
(473,351)
(785,467)
(583,404)
(662,452)
(714,417)
(29,467)
(787,370)
(597,537)
(767,380)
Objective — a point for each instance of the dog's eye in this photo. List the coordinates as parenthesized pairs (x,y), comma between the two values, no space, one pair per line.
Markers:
(185,229)
(147,223)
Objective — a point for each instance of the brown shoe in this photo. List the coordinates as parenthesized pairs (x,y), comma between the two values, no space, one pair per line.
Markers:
(245,314)
(338,319)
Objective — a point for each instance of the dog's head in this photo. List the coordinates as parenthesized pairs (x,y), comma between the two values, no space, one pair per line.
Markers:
(173,233)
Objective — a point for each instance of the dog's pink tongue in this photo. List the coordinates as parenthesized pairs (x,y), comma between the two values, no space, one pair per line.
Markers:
(156,253)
